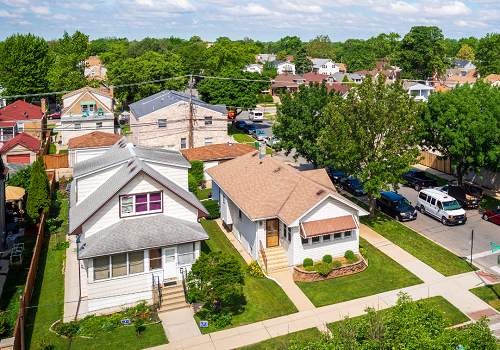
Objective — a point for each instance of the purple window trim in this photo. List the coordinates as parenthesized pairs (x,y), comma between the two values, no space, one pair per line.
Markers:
(155,203)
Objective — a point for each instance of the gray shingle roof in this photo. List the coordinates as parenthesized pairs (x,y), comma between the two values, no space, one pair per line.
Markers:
(318,62)
(166,98)
(15,167)
(149,232)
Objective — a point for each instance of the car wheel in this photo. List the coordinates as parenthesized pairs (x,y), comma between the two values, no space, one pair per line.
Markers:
(377,206)
(398,218)
(50,118)
(485,217)
(444,221)
(417,187)
(422,209)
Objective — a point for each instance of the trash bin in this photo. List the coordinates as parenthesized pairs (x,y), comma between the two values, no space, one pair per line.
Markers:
(11,240)
(257,145)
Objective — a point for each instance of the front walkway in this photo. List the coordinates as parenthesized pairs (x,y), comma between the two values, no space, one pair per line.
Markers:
(179,325)
(296,295)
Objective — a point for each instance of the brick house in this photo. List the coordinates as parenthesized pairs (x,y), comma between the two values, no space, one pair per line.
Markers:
(20,117)
(162,120)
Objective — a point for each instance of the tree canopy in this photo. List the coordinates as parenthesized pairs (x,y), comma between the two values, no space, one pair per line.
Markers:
(302,63)
(465,53)
(372,134)
(21,178)
(488,55)
(321,47)
(39,189)
(229,55)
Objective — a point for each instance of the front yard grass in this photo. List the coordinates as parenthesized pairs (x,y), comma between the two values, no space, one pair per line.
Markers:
(383,274)
(239,136)
(437,257)
(489,203)
(262,298)
(283,342)
(203,193)
(489,294)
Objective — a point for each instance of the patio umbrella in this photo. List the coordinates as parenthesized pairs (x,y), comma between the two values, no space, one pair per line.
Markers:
(14,193)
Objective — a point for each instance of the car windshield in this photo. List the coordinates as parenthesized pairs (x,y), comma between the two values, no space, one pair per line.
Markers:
(355,183)
(452,205)
(403,203)
(260,132)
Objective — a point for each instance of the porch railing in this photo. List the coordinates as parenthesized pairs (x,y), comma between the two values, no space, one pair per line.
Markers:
(157,286)
(184,285)
(263,254)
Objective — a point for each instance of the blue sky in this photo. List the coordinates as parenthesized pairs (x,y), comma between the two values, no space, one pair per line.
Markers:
(263,20)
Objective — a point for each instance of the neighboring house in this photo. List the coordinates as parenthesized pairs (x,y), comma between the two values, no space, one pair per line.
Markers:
(324,66)
(420,92)
(21,149)
(297,213)
(441,88)
(96,72)
(86,110)
(339,88)
(253,68)
(3,177)
(162,120)
(93,61)
(216,154)
(353,77)
(91,145)
(466,76)
(463,64)
(342,67)
(284,82)
(14,168)
(494,79)
(20,117)
(136,222)
(315,77)
(264,57)
(284,67)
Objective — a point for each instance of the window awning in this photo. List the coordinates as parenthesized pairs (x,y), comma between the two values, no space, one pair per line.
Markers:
(327,226)
(86,103)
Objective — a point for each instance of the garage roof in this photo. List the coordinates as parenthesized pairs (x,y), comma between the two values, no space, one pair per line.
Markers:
(25,140)
(94,139)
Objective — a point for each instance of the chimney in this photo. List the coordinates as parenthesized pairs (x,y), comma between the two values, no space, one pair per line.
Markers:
(111,90)
(43,106)
(315,72)
(286,72)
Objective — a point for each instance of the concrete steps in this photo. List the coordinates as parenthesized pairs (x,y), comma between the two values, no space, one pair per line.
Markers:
(276,260)
(173,298)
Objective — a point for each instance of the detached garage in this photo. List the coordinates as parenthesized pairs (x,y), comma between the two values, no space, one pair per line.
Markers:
(21,149)
(91,145)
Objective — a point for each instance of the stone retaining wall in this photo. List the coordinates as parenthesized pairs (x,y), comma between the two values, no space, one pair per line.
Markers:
(313,276)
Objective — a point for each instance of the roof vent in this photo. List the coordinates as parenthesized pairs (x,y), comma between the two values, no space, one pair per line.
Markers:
(320,192)
(132,169)
(255,153)
(277,169)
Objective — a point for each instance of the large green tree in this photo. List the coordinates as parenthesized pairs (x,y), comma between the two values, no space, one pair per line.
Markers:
(67,72)
(488,55)
(228,55)
(21,178)
(384,46)
(465,53)
(289,44)
(358,55)
(422,52)
(373,134)
(299,119)
(269,70)
(39,190)
(321,47)
(464,125)
(302,63)
(24,63)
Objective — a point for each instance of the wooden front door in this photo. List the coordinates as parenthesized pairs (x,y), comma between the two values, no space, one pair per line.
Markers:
(272,234)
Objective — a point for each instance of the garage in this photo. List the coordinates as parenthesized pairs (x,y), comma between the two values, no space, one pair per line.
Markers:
(18,158)
(81,155)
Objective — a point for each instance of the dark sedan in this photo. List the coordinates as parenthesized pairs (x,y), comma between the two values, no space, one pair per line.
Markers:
(352,185)
(249,128)
(492,215)
(335,174)
(240,124)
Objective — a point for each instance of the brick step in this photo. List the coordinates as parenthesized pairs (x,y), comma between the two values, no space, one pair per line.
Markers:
(172,307)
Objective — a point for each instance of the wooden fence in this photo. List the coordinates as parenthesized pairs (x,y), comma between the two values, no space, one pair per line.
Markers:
(56,161)
(432,161)
(30,280)
(46,147)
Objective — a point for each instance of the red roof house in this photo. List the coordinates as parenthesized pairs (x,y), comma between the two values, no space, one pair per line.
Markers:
(21,116)
(21,149)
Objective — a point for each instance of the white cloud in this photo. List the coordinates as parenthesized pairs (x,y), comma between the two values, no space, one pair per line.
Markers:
(40,10)
(16,3)
(157,6)
(5,14)
(296,6)
(62,17)
(249,10)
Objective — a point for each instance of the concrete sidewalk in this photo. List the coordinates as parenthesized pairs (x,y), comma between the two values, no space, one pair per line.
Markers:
(179,325)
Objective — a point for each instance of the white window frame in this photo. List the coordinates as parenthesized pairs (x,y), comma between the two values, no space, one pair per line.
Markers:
(162,123)
(98,125)
(20,127)
(180,255)
(183,144)
(78,126)
(149,211)
(110,267)
(209,141)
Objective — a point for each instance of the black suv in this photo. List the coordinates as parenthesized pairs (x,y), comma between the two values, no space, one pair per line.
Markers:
(396,206)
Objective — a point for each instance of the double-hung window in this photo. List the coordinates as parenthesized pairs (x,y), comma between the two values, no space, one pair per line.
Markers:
(137,204)
(118,265)
(98,125)
(208,120)
(78,126)
(183,143)
(185,253)
(162,123)
(208,141)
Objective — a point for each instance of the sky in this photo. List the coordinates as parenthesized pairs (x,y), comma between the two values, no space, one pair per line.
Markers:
(264,20)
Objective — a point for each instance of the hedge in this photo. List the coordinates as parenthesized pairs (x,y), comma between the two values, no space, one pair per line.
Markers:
(213,208)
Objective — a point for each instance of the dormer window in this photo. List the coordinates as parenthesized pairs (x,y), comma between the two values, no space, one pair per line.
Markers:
(138,204)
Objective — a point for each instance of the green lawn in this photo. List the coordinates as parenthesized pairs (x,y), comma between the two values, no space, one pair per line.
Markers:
(383,274)
(125,129)
(454,315)
(239,136)
(489,294)
(284,341)
(203,193)
(437,257)
(489,203)
(262,298)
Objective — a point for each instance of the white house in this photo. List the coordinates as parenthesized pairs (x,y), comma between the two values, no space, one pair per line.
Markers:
(420,92)
(324,66)
(91,145)
(136,223)
(254,67)
(284,67)
(272,207)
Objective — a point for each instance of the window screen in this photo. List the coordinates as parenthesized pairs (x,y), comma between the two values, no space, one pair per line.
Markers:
(101,268)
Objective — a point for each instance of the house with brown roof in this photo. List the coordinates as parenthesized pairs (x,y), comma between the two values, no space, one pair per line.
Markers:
(91,145)
(494,79)
(298,215)
(86,110)
(284,82)
(213,155)
(20,117)
(23,148)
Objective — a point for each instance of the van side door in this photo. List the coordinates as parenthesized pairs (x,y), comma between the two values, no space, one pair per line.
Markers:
(432,206)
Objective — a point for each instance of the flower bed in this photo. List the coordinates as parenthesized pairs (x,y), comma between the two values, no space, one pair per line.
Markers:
(301,275)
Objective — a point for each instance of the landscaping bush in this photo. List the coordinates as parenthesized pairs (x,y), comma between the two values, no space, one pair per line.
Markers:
(323,268)
(269,98)
(307,262)
(336,264)
(139,326)
(213,208)
(192,184)
(197,171)
(352,260)
(327,258)
(309,268)
(220,318)
(52,149)
(363,252)
(348,254)
(260,98)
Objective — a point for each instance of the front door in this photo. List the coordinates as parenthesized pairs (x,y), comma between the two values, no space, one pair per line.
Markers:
(169,266)
(272,234)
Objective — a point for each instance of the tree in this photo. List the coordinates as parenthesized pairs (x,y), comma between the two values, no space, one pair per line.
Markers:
(373,134)
(215,278)
(228,55)
(116,51)
(422,52)
(384,46)
(451,47)
(321,47)
(488,55)
(39,190)
(464,125)
(471,41)
(299,118)
(289,44)
(67,72)
(465,53)
(302,63)
(21,178)
(197,171)
(24,63)
(281,56)
(269,70)
(358,55)
(148,67)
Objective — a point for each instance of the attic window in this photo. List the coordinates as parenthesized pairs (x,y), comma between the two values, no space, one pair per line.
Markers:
(320,192)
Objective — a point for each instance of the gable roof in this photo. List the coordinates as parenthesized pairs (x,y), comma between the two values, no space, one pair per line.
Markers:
(343,89)
(218,151)
(315,77)
(94,139)
(15,167)
(289,193)
(420,87)
(19,111)
(441,88)
(103,91)
(92,95)
(318,62)
(25,140)
(167,98)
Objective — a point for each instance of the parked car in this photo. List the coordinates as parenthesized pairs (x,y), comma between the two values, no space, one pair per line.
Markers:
(442,206)
(396,206)
(275,142)
(418,179)
(492,215)
(56,115)
(352,185)
(256,116)
(248,128)
(465,199)
(240,124)
(335,174)
(259,134)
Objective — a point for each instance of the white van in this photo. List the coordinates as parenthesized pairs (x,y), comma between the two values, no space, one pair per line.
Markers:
(442,206)
(256,116)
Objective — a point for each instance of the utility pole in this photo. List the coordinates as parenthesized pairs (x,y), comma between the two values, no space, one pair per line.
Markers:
(190,111)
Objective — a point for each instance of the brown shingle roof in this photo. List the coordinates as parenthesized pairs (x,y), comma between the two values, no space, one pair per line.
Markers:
(323,227)
(218,152)
(441,88)
(102,91)
(288,193)
(94,139)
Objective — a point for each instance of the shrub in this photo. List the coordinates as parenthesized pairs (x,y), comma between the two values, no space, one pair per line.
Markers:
(269,98)
(213,208)
(327,258)
(323,268)
(197,171)
(307,262)
(254,269)
(309,268)
(352,259)
(52,149)
(260,98)
(363,252)
(192,184)
(336,264)
(220,318)
(139,325)
(348,254)
(67,329)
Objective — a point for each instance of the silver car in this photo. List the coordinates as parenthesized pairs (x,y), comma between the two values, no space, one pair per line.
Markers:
(259,134)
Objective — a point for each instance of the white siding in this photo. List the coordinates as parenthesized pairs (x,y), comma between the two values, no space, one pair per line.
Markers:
(287,246)
(87,184)
(245,231)
(84,154)
(88,126)
(68,101)
(175,173)
(329,208)
(109,213)
(208,165)
(225,214)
